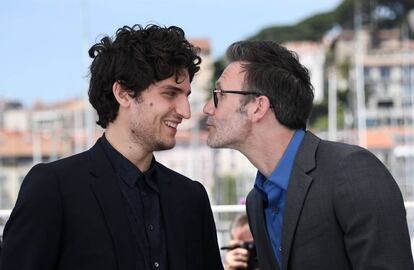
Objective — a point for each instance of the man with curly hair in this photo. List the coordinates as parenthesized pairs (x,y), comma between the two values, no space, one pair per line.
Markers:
(114,206)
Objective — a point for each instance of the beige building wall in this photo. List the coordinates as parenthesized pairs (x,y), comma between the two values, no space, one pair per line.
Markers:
(312,56)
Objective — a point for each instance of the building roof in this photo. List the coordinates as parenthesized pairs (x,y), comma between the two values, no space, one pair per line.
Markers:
(69,104)
(20,144)
(303,45)
(202,43)
(389,137)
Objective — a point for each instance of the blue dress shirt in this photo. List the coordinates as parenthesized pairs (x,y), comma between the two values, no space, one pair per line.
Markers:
(274,191)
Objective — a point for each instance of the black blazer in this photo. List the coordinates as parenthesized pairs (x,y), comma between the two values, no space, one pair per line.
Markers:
(343,211)
(70,215)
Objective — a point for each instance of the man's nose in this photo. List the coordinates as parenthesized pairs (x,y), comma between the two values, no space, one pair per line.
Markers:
(209,108)
(183,109)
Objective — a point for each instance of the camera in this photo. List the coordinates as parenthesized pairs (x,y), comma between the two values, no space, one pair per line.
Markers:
(252,262)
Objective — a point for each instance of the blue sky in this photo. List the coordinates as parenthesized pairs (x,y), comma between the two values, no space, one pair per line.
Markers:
(44,43)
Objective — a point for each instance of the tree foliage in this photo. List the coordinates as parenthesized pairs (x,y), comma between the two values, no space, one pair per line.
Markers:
(380,14)
(377,14)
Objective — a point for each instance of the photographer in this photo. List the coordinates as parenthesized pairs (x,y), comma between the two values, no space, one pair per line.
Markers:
(241,251)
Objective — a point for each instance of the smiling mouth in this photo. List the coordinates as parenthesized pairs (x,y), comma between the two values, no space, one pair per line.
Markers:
(171,124)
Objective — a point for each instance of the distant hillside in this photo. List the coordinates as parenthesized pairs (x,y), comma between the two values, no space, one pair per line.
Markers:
(379,14)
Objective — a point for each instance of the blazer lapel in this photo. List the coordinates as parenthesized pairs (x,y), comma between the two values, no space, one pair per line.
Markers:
(172,218)
(109,196)
(298,187)
(255,208)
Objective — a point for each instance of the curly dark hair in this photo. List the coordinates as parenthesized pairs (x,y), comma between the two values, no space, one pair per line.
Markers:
(138,57)
(275,72)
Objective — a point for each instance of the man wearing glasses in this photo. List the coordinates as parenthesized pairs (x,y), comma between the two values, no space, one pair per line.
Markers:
(315,204)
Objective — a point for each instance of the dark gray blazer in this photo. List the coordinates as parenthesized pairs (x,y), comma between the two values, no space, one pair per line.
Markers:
(70,215)
(343,211)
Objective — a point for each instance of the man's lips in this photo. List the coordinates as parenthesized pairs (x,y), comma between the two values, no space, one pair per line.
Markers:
(209,123)
(172,124)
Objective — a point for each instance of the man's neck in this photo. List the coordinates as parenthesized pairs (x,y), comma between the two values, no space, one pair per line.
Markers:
(265,149)
(133,151)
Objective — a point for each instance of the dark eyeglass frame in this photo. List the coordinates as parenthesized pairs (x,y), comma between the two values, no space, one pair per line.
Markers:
(214,93)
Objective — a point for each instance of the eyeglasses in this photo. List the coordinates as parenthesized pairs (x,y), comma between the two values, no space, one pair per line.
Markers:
(244,93)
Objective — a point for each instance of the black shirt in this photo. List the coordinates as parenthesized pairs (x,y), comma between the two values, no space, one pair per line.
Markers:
(141,195)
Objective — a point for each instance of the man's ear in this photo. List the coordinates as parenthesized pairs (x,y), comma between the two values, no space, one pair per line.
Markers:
(121,94)
(261,107)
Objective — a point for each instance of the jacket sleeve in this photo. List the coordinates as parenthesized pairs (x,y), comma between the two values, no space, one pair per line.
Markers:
(212,254)
(32,234)
(371,213)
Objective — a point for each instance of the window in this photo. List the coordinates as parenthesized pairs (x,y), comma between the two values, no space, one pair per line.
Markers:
(385,72)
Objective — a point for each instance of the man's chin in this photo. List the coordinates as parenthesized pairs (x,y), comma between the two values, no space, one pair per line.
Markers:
(214,144)
(165,145)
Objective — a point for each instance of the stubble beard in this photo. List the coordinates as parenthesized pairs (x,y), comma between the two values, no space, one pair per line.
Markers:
(215,141)
(149,138)
(152,142)
(160,145)
(228,134)
(146,136)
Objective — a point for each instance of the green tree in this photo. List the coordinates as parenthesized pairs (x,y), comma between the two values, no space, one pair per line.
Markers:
(379,14)
(224,190)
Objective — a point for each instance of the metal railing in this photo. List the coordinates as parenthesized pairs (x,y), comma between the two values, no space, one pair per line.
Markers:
(224,214)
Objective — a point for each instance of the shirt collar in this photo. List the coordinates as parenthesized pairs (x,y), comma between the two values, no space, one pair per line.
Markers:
(281,174)
(126,170)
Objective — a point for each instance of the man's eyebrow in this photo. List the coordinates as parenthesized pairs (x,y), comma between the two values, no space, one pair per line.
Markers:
(176,89)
